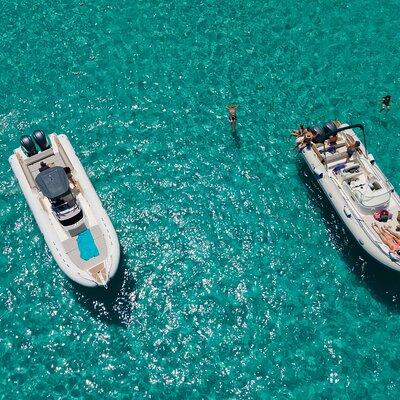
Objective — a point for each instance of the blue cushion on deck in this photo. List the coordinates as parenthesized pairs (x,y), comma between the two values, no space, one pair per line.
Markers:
(87,246)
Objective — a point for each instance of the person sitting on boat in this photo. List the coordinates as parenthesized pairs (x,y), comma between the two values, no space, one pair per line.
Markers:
(352,148)
(43,167)
(306,140)
(299,132)
(333,138)
(388,238)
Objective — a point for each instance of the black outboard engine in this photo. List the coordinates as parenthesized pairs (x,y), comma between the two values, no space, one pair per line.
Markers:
(317,130)
(28,145)
(319,134)
(41,140)
(329,128)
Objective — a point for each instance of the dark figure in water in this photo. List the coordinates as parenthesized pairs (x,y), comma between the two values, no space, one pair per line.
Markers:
(232,115)
(232,120)
(385,103)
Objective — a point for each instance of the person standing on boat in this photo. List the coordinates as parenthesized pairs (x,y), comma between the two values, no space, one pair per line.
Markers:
(352,148)
(385,103)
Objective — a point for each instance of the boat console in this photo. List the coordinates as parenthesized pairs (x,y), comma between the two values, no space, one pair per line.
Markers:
(53,183)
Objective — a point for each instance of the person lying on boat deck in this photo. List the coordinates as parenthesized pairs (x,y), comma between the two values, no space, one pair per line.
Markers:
(43,167)
(388,239)
(352,148)
(390,232)
(385,103)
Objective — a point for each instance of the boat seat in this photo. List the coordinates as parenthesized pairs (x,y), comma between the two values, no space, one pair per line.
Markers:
(351,177)
(71,248)
(337,146)
(339,143)
(70,244)
(96,231)
(52,160)
(336,157)
(86,264)
(39,156)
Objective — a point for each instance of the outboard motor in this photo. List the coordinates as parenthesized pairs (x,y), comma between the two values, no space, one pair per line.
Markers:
(329,128)
(317,130)
(28,145)
(41,140)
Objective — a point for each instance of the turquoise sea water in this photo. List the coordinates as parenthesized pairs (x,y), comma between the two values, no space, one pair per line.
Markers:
(237,279)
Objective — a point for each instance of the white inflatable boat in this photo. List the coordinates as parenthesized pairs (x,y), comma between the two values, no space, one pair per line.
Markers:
(67,209)
(357,188)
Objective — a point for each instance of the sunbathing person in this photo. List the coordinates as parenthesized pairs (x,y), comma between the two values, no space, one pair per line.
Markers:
(395,235)
(389,240)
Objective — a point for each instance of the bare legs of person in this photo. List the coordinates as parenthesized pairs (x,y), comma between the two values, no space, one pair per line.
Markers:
(394,235)
(386,238)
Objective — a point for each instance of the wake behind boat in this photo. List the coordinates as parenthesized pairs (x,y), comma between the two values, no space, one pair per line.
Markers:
(357,188)
(67,209)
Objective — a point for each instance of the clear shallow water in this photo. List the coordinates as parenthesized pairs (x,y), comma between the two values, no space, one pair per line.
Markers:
(237,280)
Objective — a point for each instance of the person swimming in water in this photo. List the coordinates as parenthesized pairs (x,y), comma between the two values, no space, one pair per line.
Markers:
(232,115)
(385,103)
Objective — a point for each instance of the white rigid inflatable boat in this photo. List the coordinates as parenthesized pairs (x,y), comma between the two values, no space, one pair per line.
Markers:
(67,209)
(357,189)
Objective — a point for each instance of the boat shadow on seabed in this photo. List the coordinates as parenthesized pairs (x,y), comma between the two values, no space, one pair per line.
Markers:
(112,305)
(383,282)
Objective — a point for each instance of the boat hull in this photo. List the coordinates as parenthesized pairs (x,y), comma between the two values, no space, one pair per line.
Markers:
(346,211)
(47,229)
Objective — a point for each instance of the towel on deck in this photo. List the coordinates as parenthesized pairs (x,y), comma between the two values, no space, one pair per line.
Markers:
(87,246)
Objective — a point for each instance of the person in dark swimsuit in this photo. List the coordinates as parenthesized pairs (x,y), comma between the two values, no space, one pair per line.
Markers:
(385,103)
(351,149)
(232,115)
(43,167)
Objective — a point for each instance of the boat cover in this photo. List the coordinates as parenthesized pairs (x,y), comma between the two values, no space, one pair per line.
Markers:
(53,182)
(87,246)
